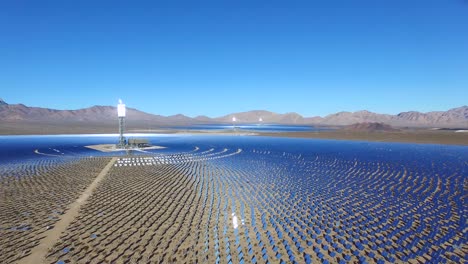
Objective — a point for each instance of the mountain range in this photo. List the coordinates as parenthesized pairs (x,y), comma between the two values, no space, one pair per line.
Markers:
(19,116)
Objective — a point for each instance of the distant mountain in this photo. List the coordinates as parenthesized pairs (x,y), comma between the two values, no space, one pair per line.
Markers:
(19,116)
(456,117)
(348,118)
(203,119)
(453,116)
(370,127)
(20,112)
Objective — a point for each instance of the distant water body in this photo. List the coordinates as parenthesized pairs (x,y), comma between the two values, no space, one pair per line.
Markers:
(252,127)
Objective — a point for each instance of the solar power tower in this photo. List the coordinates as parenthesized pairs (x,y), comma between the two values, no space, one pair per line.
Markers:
(234,122)
(121,112)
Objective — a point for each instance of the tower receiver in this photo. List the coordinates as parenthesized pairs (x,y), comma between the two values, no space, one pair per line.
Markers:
(121,112)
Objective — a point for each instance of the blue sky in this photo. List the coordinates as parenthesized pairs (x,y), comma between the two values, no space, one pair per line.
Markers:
(217,57)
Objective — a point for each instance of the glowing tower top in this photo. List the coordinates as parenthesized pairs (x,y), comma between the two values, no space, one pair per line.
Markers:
(121,109)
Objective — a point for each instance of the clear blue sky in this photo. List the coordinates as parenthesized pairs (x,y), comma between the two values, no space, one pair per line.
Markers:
(216,57)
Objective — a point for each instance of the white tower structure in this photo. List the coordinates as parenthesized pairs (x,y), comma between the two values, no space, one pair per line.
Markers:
(121,112)
(234,122)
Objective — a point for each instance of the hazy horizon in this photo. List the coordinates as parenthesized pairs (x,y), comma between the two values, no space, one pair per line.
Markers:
(215,58)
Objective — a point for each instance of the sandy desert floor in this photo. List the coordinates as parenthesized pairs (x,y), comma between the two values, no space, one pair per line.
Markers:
(427,136)
(407,136)
(423,136)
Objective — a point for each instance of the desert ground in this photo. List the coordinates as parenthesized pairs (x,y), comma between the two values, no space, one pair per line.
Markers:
(407,136)
(421,136)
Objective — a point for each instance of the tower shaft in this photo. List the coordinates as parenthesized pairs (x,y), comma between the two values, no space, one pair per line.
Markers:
(121,131)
